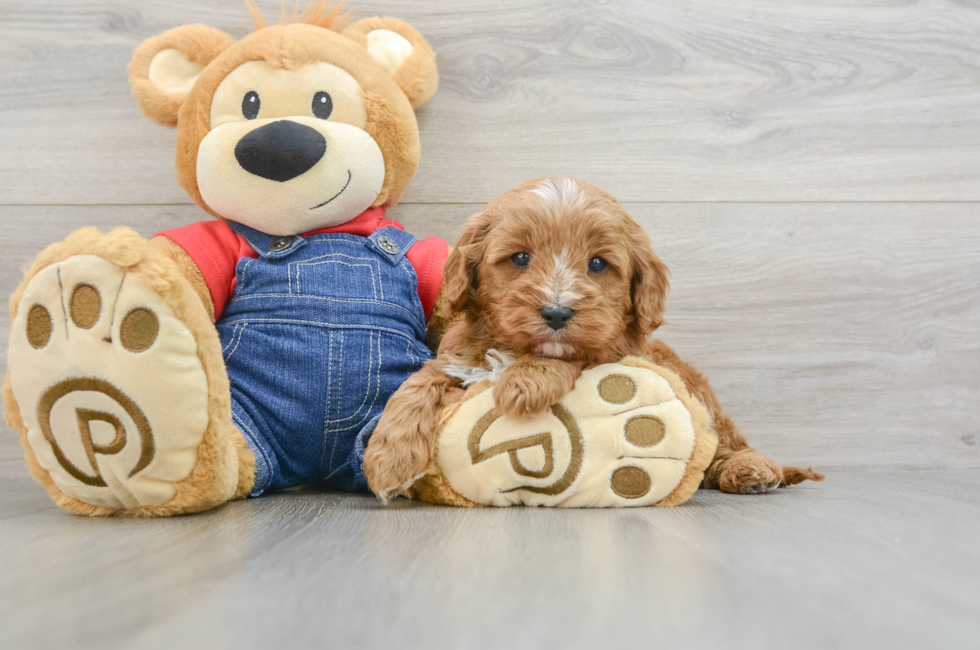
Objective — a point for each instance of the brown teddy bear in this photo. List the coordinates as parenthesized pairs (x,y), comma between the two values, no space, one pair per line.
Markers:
(255,351)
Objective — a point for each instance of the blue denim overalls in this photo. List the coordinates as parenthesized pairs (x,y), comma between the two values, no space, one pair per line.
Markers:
(318,333)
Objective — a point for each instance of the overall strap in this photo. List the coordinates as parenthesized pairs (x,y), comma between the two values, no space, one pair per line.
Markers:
(391,244)
(269,246)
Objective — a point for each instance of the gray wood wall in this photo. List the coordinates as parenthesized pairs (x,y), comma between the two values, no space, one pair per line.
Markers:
(809,170)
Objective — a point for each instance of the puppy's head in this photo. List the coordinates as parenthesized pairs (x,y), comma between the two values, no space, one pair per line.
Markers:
(557,268)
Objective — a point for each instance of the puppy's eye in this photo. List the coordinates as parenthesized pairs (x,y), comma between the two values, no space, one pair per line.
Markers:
(322,105)
(250,105)
(597,265)
(521,260)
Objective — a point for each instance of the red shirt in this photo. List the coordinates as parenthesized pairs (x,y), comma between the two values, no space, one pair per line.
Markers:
(216,249)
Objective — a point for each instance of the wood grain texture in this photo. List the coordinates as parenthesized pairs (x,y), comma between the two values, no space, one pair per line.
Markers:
(843,335)
(806,170)
(864,560)
(684,100)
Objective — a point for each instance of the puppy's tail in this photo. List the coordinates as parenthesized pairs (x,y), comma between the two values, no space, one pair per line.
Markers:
(794,475)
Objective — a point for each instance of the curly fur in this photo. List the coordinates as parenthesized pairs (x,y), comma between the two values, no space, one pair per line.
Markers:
(561,223)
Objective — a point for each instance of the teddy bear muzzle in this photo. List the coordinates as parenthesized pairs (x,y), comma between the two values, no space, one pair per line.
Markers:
(281,150)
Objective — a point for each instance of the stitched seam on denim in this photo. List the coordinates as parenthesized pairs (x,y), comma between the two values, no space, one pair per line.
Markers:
(420,358)
(238,342)
(330,400)
(374,285)
(350,257)
(416,299)
(411,354)
(234,332)
(377,374)
(372,328)
(340,376)
(340,382)
(414,317)
(330,367)
(355,239)
(377,391)
(241,277)
(417,354)
(256,445)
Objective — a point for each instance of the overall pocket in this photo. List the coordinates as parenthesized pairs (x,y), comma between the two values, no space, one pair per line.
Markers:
(338,275)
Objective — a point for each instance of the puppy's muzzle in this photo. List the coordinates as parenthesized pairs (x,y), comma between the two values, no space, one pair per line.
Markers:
(556,317)
(280,151)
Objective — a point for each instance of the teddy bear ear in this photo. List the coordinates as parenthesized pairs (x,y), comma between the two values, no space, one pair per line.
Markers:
(165,67)
(402,52)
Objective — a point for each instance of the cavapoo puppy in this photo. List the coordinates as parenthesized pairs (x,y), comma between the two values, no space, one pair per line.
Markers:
(555,277)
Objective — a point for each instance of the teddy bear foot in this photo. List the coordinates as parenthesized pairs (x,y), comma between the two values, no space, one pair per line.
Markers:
(628,434)
(108,385)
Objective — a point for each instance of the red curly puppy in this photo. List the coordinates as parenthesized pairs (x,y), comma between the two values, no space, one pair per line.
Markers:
(558,277)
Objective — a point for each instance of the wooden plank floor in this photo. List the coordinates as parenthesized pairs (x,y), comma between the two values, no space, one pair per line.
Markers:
(864,560)
(810,171)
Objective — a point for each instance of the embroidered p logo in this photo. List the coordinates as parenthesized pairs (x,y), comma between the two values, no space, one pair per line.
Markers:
(531,444)
(115,443)
(621,437)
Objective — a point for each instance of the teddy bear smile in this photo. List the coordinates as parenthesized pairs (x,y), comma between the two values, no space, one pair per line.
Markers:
(349,176)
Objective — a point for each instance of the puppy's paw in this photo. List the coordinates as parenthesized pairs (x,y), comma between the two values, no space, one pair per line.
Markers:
(749,473)
(518,394)
(392,463)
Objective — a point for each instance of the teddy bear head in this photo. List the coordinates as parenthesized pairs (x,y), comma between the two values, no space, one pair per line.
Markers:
(295,127)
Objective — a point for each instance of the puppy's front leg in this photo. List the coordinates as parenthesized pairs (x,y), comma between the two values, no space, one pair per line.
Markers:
(532,384)
(399,447)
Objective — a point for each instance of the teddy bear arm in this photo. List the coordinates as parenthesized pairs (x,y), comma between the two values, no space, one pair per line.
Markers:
(187,267)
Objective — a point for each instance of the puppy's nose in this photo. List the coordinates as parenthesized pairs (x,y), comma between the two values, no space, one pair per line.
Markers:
(556,317)
(281,150)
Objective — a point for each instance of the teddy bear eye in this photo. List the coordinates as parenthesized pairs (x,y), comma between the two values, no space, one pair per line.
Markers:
(322,105)
(521,260)
(250,105)
(597,265)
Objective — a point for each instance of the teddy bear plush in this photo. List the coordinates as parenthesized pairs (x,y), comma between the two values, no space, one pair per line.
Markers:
(254,351)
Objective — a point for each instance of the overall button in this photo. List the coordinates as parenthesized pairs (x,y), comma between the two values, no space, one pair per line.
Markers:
(280,244)
(388,245)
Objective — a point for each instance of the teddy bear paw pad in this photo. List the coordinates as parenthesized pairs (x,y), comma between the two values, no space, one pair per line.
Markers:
(108,382)
(621,437)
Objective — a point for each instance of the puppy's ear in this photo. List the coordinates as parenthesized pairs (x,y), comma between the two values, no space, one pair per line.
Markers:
(165,68)
(402,52)
(649,285)
(462,269)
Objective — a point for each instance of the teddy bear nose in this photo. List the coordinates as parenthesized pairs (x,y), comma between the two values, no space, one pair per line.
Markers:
(281,150)
(556,317)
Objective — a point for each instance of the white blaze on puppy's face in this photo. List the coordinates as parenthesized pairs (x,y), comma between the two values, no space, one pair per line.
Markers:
(559,194)
(559,288)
